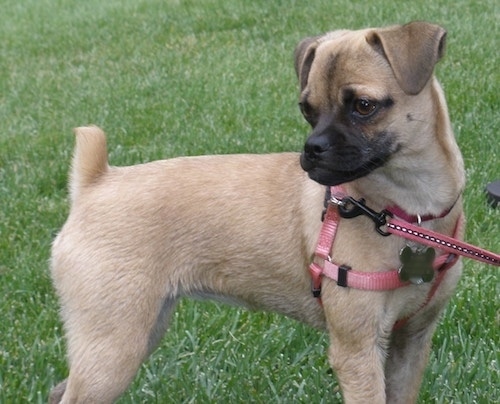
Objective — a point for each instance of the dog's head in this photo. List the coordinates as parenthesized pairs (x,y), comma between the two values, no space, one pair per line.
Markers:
(362,93)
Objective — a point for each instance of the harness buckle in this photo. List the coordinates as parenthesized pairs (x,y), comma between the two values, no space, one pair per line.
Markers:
(316,291)
(342,277)
(316,274)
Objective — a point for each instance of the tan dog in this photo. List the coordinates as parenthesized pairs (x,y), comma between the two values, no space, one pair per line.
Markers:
(242,228)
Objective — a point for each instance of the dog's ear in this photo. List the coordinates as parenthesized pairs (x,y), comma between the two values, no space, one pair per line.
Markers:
(304,56)
(412,51)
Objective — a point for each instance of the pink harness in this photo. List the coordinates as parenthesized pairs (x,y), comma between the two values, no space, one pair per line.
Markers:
(345,276)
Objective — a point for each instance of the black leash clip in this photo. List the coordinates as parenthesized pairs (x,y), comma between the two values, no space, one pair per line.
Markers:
(350,208)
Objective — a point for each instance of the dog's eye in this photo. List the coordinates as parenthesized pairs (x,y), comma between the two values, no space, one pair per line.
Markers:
(364,107)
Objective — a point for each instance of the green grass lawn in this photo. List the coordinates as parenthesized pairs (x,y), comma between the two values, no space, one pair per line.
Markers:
(168,78)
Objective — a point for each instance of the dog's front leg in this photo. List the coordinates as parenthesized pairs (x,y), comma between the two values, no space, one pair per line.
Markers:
(408,355)
(409,348)
(357,344)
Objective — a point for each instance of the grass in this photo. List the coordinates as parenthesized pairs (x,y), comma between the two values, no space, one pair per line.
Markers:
(167,78)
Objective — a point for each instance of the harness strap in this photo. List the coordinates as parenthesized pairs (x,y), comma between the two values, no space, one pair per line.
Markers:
(347,277)
(325,242)
(322,264)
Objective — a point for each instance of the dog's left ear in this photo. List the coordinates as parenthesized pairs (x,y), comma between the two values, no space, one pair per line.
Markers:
(412,51)
(304,56)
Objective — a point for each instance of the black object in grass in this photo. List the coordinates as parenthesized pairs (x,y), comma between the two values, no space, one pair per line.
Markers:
(493,192)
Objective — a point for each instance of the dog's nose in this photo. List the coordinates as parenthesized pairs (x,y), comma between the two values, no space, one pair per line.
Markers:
(315,146)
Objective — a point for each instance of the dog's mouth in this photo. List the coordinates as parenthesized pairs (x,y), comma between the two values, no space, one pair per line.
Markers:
(323,173)
(336,164)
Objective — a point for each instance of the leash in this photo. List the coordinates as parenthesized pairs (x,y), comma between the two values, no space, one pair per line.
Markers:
(350,207)
(448,244)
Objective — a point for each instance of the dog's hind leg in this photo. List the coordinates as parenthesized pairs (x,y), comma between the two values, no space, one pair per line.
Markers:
(105,357)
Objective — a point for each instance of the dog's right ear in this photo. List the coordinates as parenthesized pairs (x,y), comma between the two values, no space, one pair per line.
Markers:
(304,56)
(412,51)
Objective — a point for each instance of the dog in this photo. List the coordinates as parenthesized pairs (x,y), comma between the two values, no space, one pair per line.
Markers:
(243,228)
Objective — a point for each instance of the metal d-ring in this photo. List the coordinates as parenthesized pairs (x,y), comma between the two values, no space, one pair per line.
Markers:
(336,201)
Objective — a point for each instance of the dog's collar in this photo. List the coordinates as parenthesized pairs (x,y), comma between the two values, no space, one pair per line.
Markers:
(402,214)
(394,210)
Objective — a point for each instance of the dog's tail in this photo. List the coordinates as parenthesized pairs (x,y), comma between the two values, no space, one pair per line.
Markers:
(90,159)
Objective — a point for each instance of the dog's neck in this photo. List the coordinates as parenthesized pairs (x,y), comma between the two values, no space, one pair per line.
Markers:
(411,193)
(415,187)
(415,192)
